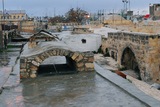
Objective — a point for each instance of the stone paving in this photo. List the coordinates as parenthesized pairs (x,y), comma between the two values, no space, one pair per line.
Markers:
(4,75)
(7,63)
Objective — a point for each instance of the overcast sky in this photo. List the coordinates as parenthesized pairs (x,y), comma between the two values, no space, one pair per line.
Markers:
(47,7)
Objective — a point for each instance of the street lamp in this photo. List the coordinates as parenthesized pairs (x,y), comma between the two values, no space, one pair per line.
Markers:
(125,4)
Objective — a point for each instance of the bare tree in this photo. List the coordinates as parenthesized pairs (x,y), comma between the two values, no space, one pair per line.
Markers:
(76,15)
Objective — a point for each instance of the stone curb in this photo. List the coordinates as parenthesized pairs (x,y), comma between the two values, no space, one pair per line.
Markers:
(127,86)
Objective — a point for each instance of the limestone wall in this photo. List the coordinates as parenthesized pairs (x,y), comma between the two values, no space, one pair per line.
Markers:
(82,61)
(145,47)
(153,58)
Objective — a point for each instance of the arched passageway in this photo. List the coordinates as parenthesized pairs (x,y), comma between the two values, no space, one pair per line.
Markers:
(57,65)
(128,60)
(81,61)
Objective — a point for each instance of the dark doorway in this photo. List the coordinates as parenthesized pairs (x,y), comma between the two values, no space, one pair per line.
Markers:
(129,61)
(112,54)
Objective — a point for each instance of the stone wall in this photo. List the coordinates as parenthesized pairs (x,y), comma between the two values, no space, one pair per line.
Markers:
(153,57)
(145,47)
(82,61)
(81,30)
(104,44)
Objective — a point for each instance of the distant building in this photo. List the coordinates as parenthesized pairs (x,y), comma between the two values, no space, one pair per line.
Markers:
(13,15)
(19,18)
(154,10)
(129,15)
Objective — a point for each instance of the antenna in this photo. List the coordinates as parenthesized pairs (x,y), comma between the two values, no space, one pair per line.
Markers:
(129,4)
(54,12)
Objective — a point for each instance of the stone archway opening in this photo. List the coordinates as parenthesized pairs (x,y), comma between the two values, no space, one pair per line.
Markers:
(128,60)
(57,65)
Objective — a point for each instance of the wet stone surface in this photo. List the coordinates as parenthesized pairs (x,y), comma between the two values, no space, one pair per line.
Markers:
(8,58)
(76,90)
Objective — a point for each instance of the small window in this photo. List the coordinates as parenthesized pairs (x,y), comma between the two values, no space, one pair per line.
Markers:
(83,40)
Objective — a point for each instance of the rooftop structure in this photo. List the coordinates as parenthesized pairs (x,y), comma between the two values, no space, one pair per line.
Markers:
(11,15)
(154,10)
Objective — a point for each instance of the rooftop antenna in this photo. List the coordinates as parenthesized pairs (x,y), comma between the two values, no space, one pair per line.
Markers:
(129,4)
(77,3)
(54,12)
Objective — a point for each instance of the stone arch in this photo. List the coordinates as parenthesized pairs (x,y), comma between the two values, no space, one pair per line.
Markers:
(66,65)
(129,60)
(81,61)
(122,49)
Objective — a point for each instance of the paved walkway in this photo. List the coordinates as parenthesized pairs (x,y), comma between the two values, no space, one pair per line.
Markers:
(109,64)
(127,86)
(4,75)
(146,88)
(7,65)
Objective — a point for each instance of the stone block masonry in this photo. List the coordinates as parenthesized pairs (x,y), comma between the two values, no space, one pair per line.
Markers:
(81,61)
(146,50)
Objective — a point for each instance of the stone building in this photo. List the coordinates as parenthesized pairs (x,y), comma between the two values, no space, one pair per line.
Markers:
(13,15)
(136,51)
(42,46)
(27,26)
(154,10)
(18,18)
(41,36)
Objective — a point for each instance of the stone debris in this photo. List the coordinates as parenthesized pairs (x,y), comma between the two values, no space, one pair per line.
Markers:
(156,85)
